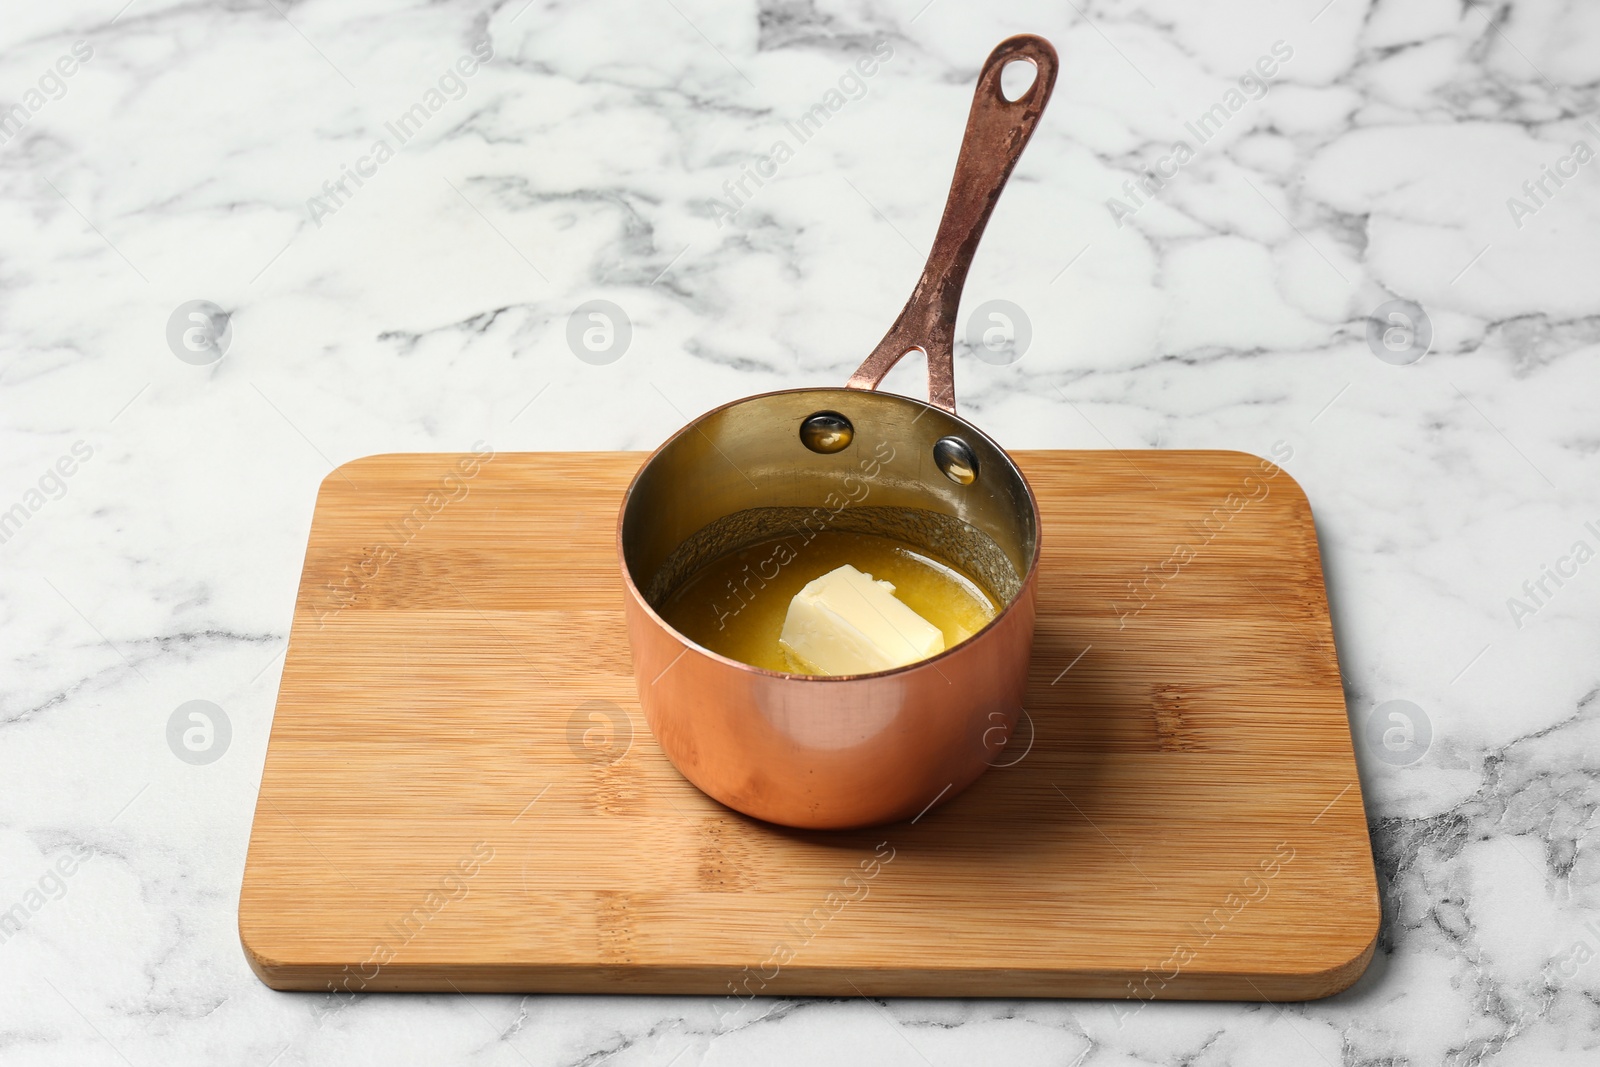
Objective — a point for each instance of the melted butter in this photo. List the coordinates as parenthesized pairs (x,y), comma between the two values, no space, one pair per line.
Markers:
(735,605)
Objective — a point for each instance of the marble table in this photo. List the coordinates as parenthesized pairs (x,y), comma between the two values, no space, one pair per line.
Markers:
(243,244)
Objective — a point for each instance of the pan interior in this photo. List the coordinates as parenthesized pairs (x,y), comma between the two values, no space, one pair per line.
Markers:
(945,538)
(742,474)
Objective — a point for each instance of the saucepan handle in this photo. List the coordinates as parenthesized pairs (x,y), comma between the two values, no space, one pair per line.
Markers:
(997,131)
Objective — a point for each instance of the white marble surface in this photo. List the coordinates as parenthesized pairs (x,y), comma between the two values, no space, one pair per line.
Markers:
(584,161)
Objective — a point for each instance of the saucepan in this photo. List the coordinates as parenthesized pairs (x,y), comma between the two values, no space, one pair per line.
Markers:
(842,751)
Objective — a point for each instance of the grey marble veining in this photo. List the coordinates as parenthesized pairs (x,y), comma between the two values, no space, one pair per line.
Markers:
(154,502)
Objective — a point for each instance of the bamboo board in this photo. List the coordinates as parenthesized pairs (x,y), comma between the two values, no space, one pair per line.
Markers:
(460,791)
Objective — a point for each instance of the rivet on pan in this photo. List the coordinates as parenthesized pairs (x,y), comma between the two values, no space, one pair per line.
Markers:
(957,459)
(827,432)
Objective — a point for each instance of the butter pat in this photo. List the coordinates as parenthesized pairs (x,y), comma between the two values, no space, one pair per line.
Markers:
(847,623)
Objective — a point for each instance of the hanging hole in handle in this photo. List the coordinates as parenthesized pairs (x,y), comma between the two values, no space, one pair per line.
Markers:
(1017,78)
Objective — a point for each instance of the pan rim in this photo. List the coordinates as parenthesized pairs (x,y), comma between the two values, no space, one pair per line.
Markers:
(1023,592)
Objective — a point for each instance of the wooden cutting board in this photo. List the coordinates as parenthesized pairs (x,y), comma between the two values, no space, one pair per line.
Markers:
(460,791)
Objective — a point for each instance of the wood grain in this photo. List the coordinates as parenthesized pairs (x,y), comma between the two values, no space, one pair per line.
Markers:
(460,790)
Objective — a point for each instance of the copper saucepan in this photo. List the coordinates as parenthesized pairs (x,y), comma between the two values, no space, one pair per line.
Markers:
(831,752)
